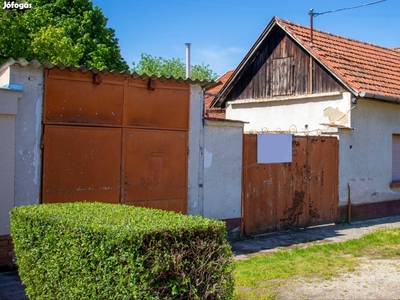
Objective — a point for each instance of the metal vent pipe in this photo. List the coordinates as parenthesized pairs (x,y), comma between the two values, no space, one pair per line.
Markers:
(187,59)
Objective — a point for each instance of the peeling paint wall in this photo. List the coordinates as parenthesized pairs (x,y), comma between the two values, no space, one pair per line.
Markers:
(336,116)
(295,114)
(223,169)
(28,134)
(215,164)
(366,153)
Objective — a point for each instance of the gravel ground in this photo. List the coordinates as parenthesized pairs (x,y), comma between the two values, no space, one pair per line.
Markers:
(373,279)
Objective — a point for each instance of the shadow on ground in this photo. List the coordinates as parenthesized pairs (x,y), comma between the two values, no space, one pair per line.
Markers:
(11,287)
(317,234)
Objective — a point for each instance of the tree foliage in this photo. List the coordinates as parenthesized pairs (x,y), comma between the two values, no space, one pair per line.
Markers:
(174,67)
(66,31)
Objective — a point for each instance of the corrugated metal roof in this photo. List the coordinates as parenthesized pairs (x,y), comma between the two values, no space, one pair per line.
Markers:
(22,62)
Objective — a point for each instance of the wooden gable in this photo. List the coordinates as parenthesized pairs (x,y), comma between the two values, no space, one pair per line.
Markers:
(281,68)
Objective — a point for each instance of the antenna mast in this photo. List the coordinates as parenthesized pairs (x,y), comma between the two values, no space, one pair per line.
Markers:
(314,14)
(311,13)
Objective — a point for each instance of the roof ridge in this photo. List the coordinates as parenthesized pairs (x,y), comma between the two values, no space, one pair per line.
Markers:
(341,36)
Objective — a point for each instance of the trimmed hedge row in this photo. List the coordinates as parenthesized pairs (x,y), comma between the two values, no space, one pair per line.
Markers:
(112,251)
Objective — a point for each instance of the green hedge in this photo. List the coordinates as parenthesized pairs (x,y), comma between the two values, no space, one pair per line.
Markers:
(112,251)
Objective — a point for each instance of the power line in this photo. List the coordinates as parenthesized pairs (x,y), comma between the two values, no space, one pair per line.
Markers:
(333,11)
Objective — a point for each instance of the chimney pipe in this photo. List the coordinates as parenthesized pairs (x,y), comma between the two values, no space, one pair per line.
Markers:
(187,59)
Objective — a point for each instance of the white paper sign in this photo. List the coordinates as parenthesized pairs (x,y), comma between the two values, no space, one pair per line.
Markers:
(274,148)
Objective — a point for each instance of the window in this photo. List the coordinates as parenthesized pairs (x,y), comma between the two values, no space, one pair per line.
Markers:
(396,160)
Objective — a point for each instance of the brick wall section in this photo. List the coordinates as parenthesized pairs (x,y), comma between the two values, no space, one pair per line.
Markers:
(6,251)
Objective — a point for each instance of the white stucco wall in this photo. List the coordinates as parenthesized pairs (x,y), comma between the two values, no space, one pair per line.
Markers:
(366,153)
(223,169)
(8,110)
(295,114)
(28,134)
(196,141)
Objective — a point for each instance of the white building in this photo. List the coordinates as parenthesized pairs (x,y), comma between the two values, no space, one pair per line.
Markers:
(329,85)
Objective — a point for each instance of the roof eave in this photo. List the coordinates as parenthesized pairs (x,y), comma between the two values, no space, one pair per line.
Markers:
(220,98)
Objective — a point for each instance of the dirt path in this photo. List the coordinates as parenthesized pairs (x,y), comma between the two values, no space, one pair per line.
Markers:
(373,279)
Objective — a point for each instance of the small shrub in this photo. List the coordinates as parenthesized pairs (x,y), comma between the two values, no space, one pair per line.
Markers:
(112,251)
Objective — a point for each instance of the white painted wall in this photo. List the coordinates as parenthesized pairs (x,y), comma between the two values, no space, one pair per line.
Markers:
(215,163)
(8,110)
(196,142)
(293,113)
(223,169)
(366,153)
(28,134)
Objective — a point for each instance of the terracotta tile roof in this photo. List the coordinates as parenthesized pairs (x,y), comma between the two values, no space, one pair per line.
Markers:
(364,67)
(210,95)
(367,70)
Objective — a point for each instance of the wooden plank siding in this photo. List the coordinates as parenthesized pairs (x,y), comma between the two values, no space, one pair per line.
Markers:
(257,81)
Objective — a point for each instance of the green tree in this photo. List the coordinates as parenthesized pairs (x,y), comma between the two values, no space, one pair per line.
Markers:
(66,31)
(174,67)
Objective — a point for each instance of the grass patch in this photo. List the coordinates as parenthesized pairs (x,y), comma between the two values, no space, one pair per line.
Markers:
(259,276)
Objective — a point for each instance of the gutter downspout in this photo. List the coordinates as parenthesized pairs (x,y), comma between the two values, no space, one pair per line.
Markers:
(378,97)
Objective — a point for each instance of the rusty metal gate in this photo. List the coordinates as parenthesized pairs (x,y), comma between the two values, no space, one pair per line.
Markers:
(115,139)
(290,195)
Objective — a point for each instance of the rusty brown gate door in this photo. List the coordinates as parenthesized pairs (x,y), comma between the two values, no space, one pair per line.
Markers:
(115,139)
(290,195)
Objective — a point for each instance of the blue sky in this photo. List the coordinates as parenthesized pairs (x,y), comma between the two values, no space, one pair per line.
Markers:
(222,31)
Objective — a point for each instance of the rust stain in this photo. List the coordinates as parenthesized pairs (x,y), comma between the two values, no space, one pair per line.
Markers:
(110,139)
(303,192)
(322,177)
(313,211)
(294,212)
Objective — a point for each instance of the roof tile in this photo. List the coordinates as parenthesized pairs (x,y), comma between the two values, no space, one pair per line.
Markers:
(364,67)
(210,95)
